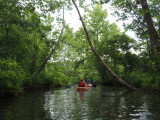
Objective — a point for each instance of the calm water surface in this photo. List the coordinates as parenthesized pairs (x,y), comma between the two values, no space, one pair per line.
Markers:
(101,103)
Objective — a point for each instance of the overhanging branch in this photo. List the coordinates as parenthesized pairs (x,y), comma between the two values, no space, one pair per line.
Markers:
(53,49)
(97,55)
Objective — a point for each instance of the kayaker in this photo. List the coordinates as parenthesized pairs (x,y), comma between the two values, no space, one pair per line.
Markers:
(94,83)
(88,81)
(81,83)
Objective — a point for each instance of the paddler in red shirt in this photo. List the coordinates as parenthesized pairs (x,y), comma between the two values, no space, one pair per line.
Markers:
(81,83)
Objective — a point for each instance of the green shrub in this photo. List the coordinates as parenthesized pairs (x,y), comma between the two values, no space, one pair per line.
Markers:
(144,79)
(156,81)
(11,77)
(74,79)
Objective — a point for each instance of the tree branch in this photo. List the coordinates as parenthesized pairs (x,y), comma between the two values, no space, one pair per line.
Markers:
(97,55)
(53,49)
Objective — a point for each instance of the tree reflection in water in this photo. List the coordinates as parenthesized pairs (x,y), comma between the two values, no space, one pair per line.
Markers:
(102,103)
(109,103)
(81,95)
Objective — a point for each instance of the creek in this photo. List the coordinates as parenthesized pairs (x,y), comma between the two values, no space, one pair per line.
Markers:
(100,103)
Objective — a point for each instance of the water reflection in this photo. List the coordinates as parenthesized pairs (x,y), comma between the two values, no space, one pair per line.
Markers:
(59,104)
(29,107)
(81,95)
(101,103)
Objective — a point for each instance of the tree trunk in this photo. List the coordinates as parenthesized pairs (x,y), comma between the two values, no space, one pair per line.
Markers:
(97,55)
(154,39)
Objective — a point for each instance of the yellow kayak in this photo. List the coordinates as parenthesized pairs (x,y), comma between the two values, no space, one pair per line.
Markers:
(82,88)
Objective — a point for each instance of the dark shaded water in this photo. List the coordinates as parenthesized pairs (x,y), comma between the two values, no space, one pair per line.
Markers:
(102,103)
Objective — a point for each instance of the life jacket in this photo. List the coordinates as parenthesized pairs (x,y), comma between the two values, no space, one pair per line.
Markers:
(81,84)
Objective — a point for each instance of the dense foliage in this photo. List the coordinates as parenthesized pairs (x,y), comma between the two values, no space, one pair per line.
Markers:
(25,27)
(29,31)
(12,77)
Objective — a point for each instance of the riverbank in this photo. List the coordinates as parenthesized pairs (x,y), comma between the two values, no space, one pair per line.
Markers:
(25,90)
